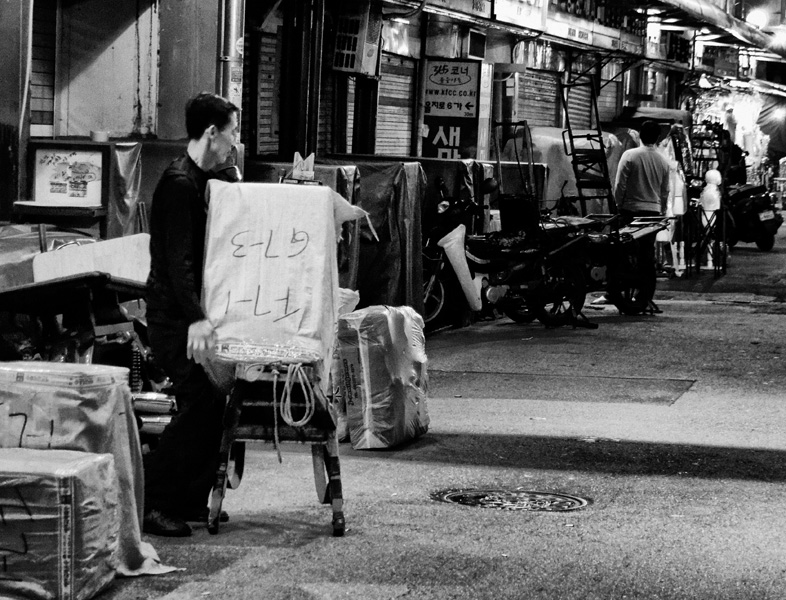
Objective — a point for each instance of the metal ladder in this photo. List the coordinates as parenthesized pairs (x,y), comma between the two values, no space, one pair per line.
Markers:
(588,157)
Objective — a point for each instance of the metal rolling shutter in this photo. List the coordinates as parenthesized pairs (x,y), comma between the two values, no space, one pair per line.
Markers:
(538,99)
(267,95)
(350,112)
(42,84)
(608,101)
(580,108)
(395,112)
(609,93)
(325,128)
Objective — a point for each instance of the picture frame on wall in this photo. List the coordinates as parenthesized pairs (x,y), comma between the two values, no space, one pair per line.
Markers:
(67,173)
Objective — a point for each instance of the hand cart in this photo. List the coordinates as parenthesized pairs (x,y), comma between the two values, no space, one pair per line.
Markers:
(279,402)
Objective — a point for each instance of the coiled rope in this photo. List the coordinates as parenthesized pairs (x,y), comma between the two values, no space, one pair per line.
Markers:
(295,374)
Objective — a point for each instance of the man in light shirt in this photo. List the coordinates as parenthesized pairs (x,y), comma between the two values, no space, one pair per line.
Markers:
(642,186)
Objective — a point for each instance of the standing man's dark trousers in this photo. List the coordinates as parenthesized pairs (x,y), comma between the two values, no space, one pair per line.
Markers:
(180,472)
(646,248)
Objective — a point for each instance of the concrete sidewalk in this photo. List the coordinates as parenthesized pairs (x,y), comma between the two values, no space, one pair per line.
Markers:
(670,425)
(685,491)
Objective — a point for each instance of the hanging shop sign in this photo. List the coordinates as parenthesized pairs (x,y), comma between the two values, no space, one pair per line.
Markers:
(574,30)
(450,112)
(478,8)
(524,13)
(722,62)
(632,44)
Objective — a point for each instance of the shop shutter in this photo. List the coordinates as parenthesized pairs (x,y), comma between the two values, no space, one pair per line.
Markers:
(580,107)
(538,98)
(609,96)
(608,101)
(267,95)
(42,84)
(326,97)
(350,112)
(395,111)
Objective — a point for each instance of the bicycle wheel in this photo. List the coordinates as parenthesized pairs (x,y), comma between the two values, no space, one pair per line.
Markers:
(433,298)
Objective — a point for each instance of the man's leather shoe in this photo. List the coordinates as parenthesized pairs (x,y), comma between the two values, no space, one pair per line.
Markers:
(158,523)
(200,515)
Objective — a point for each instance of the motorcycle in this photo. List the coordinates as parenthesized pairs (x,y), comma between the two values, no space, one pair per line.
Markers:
(444,261)
(752,216)
(534,274)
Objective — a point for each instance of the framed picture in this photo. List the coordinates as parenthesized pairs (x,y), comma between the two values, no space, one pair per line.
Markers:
(68,173)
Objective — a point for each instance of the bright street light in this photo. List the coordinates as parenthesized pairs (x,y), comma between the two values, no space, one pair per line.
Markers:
(758,17)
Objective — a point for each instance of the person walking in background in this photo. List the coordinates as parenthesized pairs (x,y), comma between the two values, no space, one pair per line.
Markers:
(180,472)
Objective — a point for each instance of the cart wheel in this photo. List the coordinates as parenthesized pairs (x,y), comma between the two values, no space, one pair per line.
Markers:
(216,498)
(339,525)
(320,473)
(237,460)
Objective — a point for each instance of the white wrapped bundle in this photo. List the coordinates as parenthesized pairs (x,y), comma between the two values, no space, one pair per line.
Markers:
(380,372)
(60,523)
(271,275)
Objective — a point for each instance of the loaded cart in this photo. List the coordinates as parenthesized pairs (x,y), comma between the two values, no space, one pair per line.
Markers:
(279,402)
(271,291)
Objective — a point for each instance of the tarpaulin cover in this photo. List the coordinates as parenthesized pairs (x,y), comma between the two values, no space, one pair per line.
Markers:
(391,268)
(342,179)
(271,279)
(68,406)
(381,371)
(59,525)
(548,148)
(122,218)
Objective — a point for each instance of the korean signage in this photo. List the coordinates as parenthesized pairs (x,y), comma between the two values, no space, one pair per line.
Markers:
(479,8)
(570,30)
(524,13)
(450,114)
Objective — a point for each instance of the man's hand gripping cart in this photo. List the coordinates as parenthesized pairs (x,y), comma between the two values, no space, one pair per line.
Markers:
(279,402)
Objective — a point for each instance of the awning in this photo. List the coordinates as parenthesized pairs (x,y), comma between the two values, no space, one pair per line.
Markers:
(724,28)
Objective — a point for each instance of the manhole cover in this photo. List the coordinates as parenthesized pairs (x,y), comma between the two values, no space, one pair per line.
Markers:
(516,499)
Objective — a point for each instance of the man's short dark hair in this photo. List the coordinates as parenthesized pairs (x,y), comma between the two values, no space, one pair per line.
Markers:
(206,109)
(650,132)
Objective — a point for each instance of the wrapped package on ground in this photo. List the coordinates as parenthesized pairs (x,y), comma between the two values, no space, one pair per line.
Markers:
(381,375)
(59,525)
(271,276)
(69,406)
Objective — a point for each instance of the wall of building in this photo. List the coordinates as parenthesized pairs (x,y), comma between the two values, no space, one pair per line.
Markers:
(107,68)
(14,25)
(188,59)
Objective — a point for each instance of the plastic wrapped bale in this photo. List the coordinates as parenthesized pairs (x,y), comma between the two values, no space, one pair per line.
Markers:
(59,525)
(382,375)
(69,406)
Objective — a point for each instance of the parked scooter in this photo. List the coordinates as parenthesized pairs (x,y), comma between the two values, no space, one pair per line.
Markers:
(444,260)
(752,216)
(534,274)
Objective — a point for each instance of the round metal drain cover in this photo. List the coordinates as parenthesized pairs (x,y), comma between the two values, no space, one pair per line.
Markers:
(516,499)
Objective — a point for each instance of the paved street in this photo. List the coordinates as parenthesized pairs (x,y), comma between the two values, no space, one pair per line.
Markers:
(672,426)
